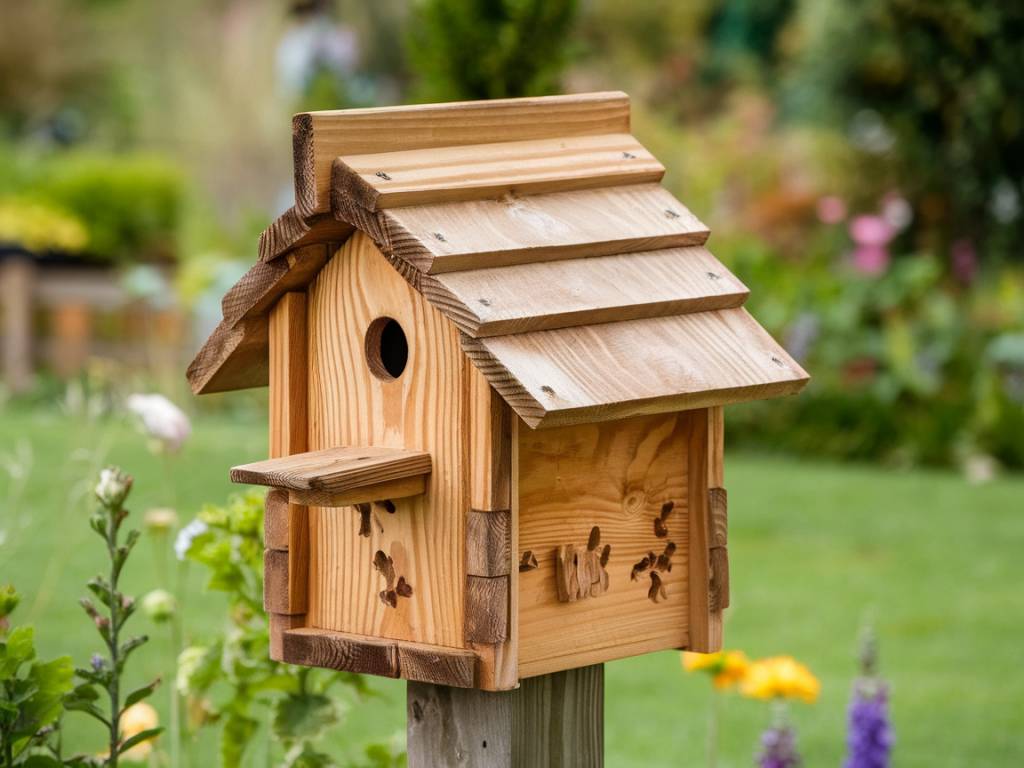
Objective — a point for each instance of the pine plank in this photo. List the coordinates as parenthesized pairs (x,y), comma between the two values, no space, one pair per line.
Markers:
(452,667)
(487,609)
(601,289)
(552,720)
(422,410)
(617,476)
(414,177)
(481,234)
(275,519)
(368,494)
(613,370)
(488,543)
(334,470)
(319,137)
(704,617)
(233,357)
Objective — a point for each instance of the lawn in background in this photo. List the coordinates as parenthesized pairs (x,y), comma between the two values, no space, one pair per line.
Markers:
(813,549)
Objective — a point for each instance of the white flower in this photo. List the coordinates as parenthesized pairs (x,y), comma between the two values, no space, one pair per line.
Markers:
(113,486)
(189,662)
(161,419)
(186,535)
(159,605)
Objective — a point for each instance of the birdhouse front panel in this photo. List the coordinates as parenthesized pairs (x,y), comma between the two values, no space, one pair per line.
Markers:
(498,353)
(386,369)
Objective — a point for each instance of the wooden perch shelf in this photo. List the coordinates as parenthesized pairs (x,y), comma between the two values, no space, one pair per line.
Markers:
(337,477)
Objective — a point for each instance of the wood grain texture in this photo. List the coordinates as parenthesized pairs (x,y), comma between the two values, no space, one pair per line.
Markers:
(718,591)
(718,509)
(423,410)
(288,421)
(233,357)
(618,476)
(275,520)
(264,284)
(392,489)
(490,459)
(319,137)
(552,720)
(440,666)
(716,447)
(614,370)
(489,543)
(281,593)
(437,238)
(600,289)
(345,653)
(291,230)
(487,609)
(279,624)
(335,470)
(474,172)
(704,622)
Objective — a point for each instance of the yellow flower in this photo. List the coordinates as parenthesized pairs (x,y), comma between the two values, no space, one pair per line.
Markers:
(134,720)
(780,677)
(727,668)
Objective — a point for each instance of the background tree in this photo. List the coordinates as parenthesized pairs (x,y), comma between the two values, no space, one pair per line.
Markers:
(487,49)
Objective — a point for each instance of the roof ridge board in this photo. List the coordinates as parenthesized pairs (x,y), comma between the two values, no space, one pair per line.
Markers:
(319,137)
(480,171)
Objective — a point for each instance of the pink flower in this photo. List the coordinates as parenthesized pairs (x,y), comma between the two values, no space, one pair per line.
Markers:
(831,209)
(871,230)
(871,234)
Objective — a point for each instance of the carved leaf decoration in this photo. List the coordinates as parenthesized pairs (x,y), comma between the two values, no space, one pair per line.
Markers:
(389,597)
(385,565)
(387,505)
(660,529)
(639,568)
(403,588)
(606,553)
(657,588)
(666,510)
(595,539)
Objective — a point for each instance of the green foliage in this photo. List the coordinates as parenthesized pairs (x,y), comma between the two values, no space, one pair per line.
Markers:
(122,207)
(104,675)
(232,679)
(31,692)
(941,83)
(488,49)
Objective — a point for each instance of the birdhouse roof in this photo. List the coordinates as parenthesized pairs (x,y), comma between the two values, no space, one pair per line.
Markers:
(582,288)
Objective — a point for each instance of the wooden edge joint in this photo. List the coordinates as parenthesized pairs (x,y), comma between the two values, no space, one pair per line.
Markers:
(281,593)
(489,543)
(380,656)
(487,609)
(718,512)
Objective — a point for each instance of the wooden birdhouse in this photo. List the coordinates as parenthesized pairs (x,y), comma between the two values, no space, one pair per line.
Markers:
(498,351)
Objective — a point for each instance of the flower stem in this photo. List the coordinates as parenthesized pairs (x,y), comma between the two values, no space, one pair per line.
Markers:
(114,688)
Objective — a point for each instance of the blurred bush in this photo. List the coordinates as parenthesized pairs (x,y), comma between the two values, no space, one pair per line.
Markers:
(115,207)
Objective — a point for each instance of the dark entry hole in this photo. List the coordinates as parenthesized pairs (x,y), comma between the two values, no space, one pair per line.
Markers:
(387,350)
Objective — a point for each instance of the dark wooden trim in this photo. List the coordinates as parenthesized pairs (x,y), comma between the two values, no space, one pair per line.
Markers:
(275,519)
(345,653)
(434,664)
(718,510)
(487,606)
(489,543)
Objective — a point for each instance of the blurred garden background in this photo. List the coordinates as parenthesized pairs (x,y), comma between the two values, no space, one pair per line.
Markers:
(860,164)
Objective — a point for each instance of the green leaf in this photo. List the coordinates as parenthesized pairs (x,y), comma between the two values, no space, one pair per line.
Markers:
(52,679)
(138,738)
(9,600)
(238,732)
(18,648)
(303,717)
(131,644)
(42,761)
(305,756)
(141,693)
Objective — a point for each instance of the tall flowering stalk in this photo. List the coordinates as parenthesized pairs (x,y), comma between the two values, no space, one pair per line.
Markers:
(869,737)
(780,679)
(726,669)
(105,672)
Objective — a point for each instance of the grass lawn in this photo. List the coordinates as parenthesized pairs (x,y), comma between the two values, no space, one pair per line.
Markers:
(814,547)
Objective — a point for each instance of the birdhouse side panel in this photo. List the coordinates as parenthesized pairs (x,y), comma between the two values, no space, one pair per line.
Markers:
(604,538)
(392,569)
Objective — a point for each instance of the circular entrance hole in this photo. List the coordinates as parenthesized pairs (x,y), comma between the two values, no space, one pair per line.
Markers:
(387,350)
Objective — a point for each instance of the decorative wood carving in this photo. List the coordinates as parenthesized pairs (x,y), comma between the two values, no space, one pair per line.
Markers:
(397,586)
(582,574)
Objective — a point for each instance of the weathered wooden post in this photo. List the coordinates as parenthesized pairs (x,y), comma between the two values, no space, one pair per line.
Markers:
(17,292)
(497,353)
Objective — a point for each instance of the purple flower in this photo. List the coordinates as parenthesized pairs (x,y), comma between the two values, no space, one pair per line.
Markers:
(97,662)
(869,738)
(964,259)
(778,749)
(831,209)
